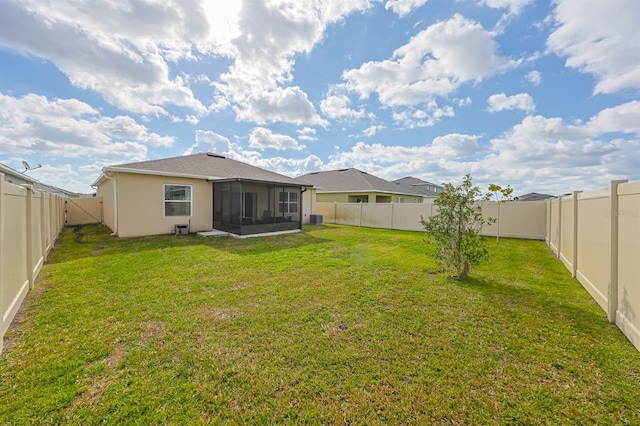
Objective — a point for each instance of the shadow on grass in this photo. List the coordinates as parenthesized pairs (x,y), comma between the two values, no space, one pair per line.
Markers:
(80,242)
(584,312)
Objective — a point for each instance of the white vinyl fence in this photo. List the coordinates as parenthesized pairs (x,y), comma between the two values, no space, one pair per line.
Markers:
(30,222)
(83,211)
(596,235)
(518,219)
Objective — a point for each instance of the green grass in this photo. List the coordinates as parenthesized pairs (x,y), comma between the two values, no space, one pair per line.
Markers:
(338,325)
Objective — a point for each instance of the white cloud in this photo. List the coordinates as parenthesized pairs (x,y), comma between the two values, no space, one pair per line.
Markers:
(263,138)
(465,101)
(289,105)
(121,51)
(337,107)
(271,34)
(514,6)
(435,62)
(412,117)
(502,102)
(307,134)
(456,145)
(372,130)
(209,141)
(623,118)
(403,7)
(601,39)
(69,128)
(534,77)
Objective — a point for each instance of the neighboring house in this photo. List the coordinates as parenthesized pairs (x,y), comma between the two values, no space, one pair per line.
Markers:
(198,192)
(55,190)
(532,196)
(15,177)
(355,186)
(428,189)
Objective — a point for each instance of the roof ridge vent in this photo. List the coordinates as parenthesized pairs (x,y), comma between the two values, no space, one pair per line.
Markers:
(213,154)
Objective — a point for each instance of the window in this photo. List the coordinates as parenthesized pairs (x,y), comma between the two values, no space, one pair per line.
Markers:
(288,202)
(177,200)
(399,199)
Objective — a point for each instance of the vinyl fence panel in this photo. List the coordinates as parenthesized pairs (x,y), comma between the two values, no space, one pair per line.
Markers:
(628,215)
(29,225)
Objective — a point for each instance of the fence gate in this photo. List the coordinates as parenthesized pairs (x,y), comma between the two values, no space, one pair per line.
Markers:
(83,211)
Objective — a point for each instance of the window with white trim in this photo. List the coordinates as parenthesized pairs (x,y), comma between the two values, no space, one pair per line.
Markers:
(177,200)
(288,202)
(399,199)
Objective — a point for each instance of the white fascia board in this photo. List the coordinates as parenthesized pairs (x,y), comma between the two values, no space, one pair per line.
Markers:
(156,173)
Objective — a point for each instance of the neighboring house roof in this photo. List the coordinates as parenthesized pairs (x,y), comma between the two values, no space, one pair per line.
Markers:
(207,166)
(533,196)
(419,185)
(353,180)
(14,176)
(54,190)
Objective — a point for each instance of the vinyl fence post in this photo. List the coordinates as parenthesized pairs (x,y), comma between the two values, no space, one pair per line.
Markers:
(612,300)
(574,261)
(29,245)
(559,226)
(548,233)
(43,230)
(1,262)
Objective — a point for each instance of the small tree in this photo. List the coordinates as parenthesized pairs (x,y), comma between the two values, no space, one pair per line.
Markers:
(455,228)
(502,195)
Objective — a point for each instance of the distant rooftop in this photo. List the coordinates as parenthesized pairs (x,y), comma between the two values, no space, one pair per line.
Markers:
(354,180)
(533,196)
(425,188)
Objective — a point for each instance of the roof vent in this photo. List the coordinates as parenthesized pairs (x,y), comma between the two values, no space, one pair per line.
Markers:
(343,170)
(213,154)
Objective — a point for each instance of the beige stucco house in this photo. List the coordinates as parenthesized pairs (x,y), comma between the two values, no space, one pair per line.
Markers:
(355,186)
(200,192)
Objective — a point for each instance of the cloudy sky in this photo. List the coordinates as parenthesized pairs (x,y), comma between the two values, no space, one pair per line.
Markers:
(541,95)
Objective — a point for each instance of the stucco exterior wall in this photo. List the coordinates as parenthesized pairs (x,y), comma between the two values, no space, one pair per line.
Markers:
(106,191)
(140,205)
(308,204)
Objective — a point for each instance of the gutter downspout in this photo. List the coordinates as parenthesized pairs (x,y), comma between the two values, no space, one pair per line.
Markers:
(115,202)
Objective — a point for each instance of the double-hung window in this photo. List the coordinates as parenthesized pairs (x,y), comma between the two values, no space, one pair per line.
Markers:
(177,200)
(288,202)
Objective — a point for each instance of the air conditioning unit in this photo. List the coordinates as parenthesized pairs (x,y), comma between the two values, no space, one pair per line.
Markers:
(315,219)
(182,229)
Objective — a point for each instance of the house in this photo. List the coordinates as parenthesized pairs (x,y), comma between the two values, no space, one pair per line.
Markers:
(198,192)
(15,177)
(428,189)
(55,190)
(532,196)
(355,186)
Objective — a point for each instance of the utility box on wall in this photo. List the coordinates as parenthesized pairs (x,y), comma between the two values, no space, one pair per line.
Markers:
(315,219)
(182,229)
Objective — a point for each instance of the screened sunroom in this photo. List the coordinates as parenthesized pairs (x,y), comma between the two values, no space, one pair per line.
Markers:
(248,207)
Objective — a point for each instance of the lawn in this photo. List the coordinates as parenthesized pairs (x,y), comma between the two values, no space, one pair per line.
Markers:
(336,325)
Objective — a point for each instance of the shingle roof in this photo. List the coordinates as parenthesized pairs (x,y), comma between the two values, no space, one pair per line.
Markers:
(353,180)
(533,196)
(418,185)
(8,171)
(206,166)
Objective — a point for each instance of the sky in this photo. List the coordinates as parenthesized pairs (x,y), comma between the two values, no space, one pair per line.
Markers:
(540,95)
